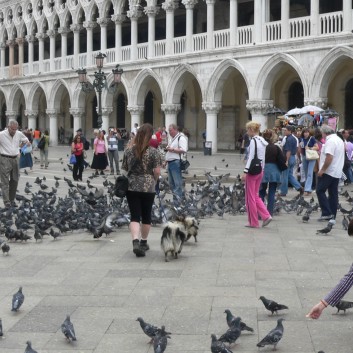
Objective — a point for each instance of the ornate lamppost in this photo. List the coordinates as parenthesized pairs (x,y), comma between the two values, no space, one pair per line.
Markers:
(100,82)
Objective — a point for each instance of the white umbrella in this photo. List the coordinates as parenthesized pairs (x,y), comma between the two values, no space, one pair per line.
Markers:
(294,111)
(310,108)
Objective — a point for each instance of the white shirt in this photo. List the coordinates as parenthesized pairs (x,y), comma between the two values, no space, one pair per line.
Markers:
(9,145)
(261,151)
(178,143)
(335,147)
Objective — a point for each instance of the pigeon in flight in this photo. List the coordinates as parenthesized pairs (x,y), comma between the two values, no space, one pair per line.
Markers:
(343,305)
(29,348)
(150,330)
(271,305)
(68,330)
(273,337)
(17,300)
(218,346)
(231,319)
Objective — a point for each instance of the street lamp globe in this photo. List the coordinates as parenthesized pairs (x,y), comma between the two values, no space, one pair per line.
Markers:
(100,60)
(117,72)
(82,75)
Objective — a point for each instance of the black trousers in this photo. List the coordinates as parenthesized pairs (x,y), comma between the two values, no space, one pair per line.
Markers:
(140,205)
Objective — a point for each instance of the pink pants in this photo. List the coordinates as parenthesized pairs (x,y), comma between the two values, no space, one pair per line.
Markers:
(254,204)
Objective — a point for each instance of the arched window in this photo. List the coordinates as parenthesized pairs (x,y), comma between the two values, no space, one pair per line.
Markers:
(295,95)
(348,104)
(148,112)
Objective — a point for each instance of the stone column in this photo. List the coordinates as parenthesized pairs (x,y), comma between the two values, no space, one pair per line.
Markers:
(257,109)
(211,109)
(134,13)
(53,126)
(233,22)
(77,115)
(20,42)
(135,112)
(30,39)
(32,118)
(210,23)
(89,25)
(76,28)
(2,58)
(314,18)
(52,34)
(169,6)
(118,19)
(11,43)
(189,6)
(40,37)
(285,19)
(151,12)
(258,20)
(10,115)
(103,22)
(171,113)
(105,118)
(347,15)
(64,32)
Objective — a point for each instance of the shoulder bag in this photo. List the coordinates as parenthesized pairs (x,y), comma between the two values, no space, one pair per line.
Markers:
(311,155)
(184,163)
(41,143)
(73,159)
(122,183)
(255,164)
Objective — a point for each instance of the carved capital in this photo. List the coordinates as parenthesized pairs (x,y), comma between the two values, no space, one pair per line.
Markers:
(211,107)
(107,111)
(31,114)
(11,114)
(41,36)
(76,27)
(20,40)
(171,108)
(318,102)
(210,2)
(134,13)
(2,45)
(64,31)
(135,109)
(51,33)
(170,5)
(30,38)
(103,21)
(189,4)
(89,24)
(118,19)
(11,42)
(52,113)
(151,10)
(76,112)
(259,106)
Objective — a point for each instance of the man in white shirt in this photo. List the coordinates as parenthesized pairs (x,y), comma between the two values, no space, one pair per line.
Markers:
(10,141)
(330,172)
(177,146)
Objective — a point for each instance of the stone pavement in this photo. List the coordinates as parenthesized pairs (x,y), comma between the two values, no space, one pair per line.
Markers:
(104,287)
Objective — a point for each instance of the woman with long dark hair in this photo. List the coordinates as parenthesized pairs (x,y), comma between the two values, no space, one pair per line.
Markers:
(142,162)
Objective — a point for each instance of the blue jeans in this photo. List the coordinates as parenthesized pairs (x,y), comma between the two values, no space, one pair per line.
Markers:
(271,195)
(328,204)
(175,180)
(288,177)
(309,171)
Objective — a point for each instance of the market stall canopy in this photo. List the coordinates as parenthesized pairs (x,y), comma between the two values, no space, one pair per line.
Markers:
(294,111)
(310,108)
(305,120)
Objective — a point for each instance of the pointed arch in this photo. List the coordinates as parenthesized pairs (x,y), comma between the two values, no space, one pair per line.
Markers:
(14,95)
(56,92)
(33,96)
(269,70)
(107,98)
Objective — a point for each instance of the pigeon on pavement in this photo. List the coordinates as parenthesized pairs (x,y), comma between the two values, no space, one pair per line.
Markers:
(231,319)
(325,230)
(343,305)
(68,330)
(273,337)
(1,333)
(271,305)
(4,247)
(232,333)
(17,300)
(150,330)
(160,341)
(29,348)
(218,346)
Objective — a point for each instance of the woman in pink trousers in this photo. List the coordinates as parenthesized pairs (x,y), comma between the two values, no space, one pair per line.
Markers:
(254,205)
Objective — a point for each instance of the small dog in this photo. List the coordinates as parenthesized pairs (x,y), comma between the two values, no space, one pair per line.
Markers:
(176,233)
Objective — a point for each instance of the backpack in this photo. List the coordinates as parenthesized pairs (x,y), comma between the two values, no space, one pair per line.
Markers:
(121,186)
(86,145)
(41,143)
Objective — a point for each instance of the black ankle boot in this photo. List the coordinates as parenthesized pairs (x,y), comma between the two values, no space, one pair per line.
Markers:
(137,249)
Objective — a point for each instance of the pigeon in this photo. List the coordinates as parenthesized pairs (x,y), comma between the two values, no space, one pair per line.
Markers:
(231,319)
(272,305)
(345,223)
(218,346)
(26,172)
(29,348)
(17,300)
(4,247)
(54,234)
(160,341)
(68,330)
(150,330)
(325,230)
(350,227)
(343,305)
(232,333)
(273,337)
(1,333)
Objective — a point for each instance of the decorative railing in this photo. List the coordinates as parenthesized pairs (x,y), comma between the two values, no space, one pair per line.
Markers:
(273,31)
(46,65)
(245,35)
(57,64)
(221,38)
(69,63)
(82,60)
(125,53)
(110,53)
(159,47)
(331,22)
(142,51)
(179,45)
(199,41)
(299,27)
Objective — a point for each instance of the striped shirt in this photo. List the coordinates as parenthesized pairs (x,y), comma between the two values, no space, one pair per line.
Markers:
(341,289)
(112,143)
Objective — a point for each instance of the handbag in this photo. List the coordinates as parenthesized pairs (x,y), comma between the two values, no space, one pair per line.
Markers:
(311,155)
(184,163)
(73,159)
(26,149)
(41,143)
(255,164)
(121,186)
(281,160)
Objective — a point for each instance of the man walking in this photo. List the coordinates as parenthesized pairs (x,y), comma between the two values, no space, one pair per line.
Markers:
(290,150)
(176,147)
(329,174)
(113,153)
(10,141)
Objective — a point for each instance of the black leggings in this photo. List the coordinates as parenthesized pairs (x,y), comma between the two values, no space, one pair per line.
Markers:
(140,205)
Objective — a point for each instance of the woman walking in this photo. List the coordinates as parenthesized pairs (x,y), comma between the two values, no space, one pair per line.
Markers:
(100,160)
(77,150)
(254,205)
(307,142)
(142,162)
(44,151)
(272,174)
